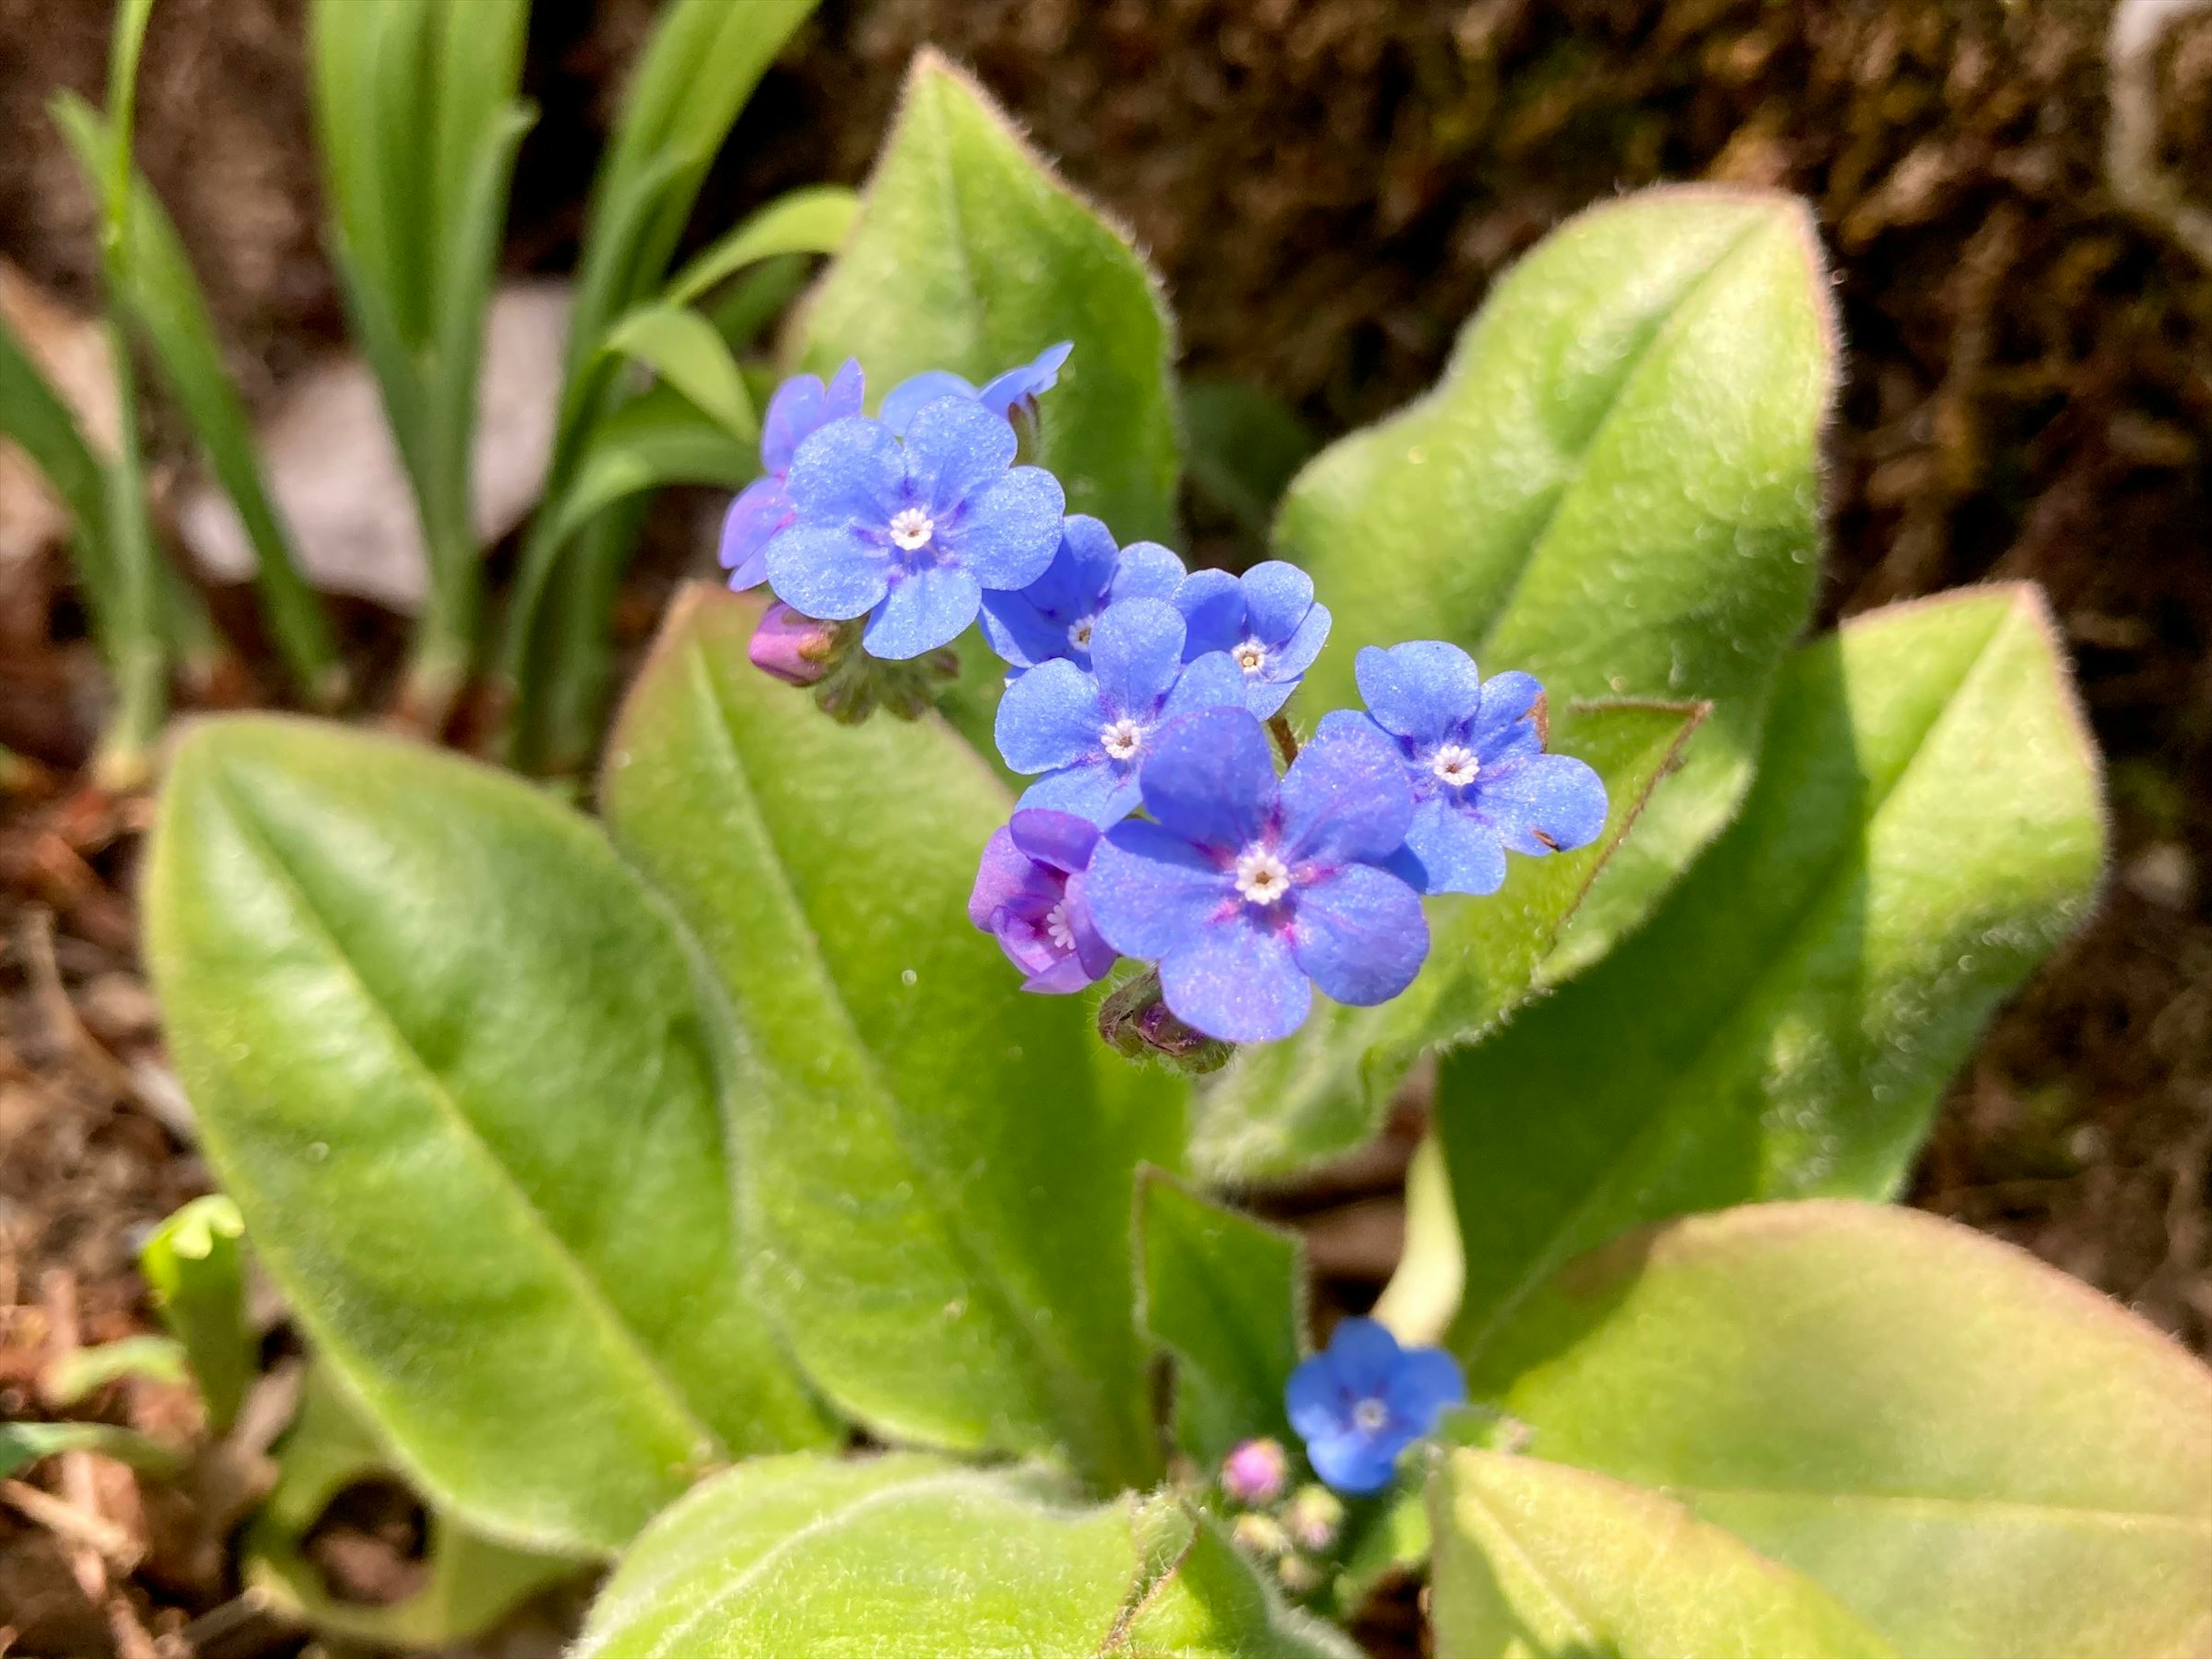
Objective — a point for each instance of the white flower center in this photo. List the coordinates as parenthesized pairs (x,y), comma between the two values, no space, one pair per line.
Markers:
(1369,1416)
(911,529)
(1251,656)
(1456,764)
(1058,929)
(1121,739)
(1262,878)
(1078,632)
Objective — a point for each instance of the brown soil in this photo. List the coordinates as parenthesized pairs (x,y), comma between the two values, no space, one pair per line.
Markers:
(1329,186)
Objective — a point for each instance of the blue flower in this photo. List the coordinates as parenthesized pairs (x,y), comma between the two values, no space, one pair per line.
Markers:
(910,534)
(1000,396)
(802,406)
(1088,734)
(1474,756)
(1248,891)
(1054,615)
(1266,619)
(1364,1399)
(1029,895)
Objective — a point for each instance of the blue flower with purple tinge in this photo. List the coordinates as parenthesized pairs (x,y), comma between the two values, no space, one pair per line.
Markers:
(1364,1399)
(1248,891)
(1029,895)
(801,407)
(1474,753)
(1089,733)
(1265,620)
(1001,396)
(1055,615)
(909,533)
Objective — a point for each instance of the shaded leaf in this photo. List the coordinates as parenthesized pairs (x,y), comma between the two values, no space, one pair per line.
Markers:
(813,220)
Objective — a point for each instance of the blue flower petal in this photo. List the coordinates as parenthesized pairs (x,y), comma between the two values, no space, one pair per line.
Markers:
(1346,799)
(794,413)
(848,387)
(1049,717)
(1277,595)
(1210,778)
(1145,570)
(956,448)
(1427,1382)
(849,470)
(1342,722)
(1151,891)
(1421,689)
(1237,981)
(905,400)
(1360,934)
(1352,1463)
(1022,636)
(1212,606)
(1505,698)
(1059,839)
(1545,795)
(1032,379)
(1075,584)
(1136,654)
(1264,698)
(1312,1399)
(1091,946)
(1212,681)
(925,608)
(831,572)
(1007,534)
(1364,1353)
(1005,874)
(754,520)
(1092,787)
(1455,851)
(1296,654)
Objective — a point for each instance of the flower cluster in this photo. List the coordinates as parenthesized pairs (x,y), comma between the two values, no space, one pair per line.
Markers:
(1140,699)
(1364,1399)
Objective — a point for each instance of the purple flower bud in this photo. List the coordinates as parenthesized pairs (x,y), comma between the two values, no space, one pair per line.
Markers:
(796,649)
(1254,1474)
(1030,894)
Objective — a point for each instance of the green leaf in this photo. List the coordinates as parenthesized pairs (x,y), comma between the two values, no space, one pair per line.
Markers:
(1246,444)
(658,437)
(1284,1106)
(1537,1559)
(470,1583)
(67,1380)
(684,349)
(1615,486)
(195,1267)
(937,1167)
(23,1445)
(814,220)
(1924,827)
(34,415)
(908,1557)
(973,255)
(451,1060)
(1224,1293)
(1975,1453)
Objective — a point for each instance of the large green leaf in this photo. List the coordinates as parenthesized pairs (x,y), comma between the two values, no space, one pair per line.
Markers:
(1977,1455)
(1285,1106)
(1226,1293)
(937,1167)
(1614,487)
(452,1059)
(972,255)
(907,1556)
(1539,1559)
(1924,827)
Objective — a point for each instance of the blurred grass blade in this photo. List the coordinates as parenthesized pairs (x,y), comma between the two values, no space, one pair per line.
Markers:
(811,220)
(34,415)
(681,348)
(161,295)
(194,1263)
(23,1445)
(653,441)
(67,1380)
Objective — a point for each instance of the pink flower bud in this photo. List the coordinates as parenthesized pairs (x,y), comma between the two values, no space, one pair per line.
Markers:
(1313,1516)
(1253,1474)
(795,649)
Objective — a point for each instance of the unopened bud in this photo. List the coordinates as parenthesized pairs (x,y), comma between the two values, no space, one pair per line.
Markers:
(1260,1534)
(1136,1022)
(796,649)
(1313,1516)
(1299,1576)
(1254,1474)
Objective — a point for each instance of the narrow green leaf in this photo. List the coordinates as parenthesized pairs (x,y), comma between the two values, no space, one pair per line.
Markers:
(1225,1294)
(938,1170)
(684,349)
(1614,487)
(1973,1452)
(159,1359)
(195,1267)
(1926,825)
(907,1556)
(34,415)
(658,437)
(450,1059)
(23,1445)
(1282,1107)
(815,220)
(1538,1559)
(972,255)
(470,1582)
